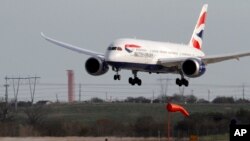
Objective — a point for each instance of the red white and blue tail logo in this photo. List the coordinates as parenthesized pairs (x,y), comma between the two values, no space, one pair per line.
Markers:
(196,39)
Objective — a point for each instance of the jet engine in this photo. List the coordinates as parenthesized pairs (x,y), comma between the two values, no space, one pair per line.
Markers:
(193,67)
(96,66)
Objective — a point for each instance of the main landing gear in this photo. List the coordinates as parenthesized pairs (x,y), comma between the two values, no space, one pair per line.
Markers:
(134,80)
(182,81)
(131,80)
(117,76)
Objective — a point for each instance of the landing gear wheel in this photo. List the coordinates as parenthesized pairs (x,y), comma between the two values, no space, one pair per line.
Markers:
(181,82)
(178,82)
(117,77)
(130,80)
(184,82)
(134,81)
(139,82)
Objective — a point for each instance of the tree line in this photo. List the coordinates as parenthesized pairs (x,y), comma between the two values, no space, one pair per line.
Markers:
(191,99)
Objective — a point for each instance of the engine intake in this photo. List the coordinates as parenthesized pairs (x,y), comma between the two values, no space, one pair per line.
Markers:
(193,68)
(96,66)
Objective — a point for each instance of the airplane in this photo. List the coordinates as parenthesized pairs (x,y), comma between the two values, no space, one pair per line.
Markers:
(153,56)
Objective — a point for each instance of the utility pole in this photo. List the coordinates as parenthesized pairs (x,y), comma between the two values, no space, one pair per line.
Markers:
(6,93)
(32,90)
(6,85)
(181,92)
(164,90)
(57,101)
(243,91)
(106,96)
(80,91)
(110,98)
(162,93)
(208,95)
(153,97)
(16,88)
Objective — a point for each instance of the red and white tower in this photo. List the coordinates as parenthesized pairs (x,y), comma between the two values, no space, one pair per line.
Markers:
(71,86)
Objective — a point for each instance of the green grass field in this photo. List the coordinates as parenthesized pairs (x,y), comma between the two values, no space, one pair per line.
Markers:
(129,112)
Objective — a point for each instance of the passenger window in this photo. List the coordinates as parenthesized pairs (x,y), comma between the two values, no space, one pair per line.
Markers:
(119,48)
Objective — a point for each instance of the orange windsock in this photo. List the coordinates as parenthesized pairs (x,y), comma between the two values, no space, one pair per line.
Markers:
(176,108)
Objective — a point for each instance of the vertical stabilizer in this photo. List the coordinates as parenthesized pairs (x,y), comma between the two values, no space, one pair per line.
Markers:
(196,39)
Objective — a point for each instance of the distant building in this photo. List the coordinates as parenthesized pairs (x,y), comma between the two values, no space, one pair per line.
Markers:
(43,102)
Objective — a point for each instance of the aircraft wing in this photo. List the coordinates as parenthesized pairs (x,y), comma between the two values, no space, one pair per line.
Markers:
(219,58)
(73,48)
(175,62)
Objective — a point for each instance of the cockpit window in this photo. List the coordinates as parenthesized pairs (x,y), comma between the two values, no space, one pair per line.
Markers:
(115,48)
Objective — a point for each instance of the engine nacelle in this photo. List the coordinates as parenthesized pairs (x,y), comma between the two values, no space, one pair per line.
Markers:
(193,68)
(96,66)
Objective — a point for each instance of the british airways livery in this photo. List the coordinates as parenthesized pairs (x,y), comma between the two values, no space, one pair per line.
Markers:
(152,56)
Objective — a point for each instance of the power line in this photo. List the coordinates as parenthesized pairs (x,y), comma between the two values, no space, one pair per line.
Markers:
(16,88)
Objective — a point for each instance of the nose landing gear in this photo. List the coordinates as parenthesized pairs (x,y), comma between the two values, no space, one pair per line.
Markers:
(117,76)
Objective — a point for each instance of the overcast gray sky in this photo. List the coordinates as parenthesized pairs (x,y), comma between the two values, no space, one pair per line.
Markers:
(93,24)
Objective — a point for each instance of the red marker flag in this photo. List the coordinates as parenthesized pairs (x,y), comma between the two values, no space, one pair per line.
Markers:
(177,108)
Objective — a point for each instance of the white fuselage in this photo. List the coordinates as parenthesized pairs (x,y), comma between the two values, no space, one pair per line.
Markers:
(143,55)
